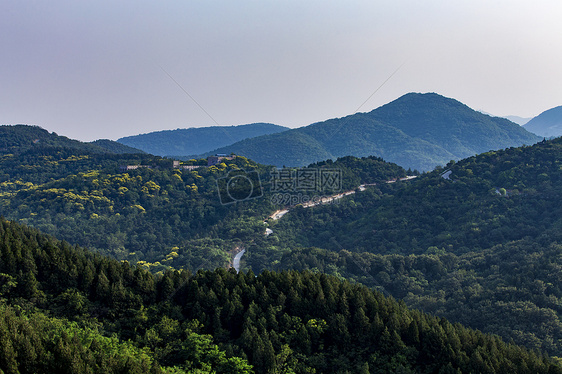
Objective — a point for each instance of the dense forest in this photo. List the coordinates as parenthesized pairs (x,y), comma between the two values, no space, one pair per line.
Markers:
(480,248)
(65,309)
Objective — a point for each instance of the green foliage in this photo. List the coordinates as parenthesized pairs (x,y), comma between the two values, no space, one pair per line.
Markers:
(35,343)
(458,247)
(139,215)
(112,303)
(356,171)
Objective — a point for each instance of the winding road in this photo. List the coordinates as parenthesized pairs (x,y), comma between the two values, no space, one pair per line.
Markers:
(236,261)
(280,213)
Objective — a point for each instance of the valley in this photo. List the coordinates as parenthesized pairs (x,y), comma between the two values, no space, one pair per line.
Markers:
(473,242)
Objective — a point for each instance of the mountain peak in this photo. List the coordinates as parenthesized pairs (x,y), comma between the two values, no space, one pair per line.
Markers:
(417,131)
(428,99)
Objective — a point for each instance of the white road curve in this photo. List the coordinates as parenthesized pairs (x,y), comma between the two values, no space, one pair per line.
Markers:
(280,213)
(236,261)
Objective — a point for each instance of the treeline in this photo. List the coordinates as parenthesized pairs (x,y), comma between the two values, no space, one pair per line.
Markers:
(360,170)
(218,321)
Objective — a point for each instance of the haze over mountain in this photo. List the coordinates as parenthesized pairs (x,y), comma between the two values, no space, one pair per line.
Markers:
(547,124)
(518,120)
(192,141)
(417,131)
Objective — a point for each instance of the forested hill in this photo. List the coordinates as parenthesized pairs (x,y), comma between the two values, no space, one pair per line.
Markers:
(21,138)
(66,310)
(30,154)
(477,242)
(476,203)
(195,141)
(155,214)
(417,131)
(451,125)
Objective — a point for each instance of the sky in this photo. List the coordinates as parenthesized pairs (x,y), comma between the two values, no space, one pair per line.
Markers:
(107,69)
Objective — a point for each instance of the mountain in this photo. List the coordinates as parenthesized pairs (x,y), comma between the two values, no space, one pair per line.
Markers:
(115,147)
(64,309)
(194,141)
(417,131)
(547,124)
(518,120)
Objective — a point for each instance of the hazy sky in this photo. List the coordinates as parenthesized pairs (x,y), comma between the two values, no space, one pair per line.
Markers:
(99,69)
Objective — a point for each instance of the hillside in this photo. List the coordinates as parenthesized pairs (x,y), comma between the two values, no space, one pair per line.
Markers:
(417,131)
(30,155)
(19,138)
(194,141)
(547,124)
(451,125)
(66,310)
(158,215)
(478,245)
(155,215)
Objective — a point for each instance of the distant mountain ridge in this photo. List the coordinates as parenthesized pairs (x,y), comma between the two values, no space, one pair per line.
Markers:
(417,131)
(115,147)
(519,120)
(547,124)
(193,141)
